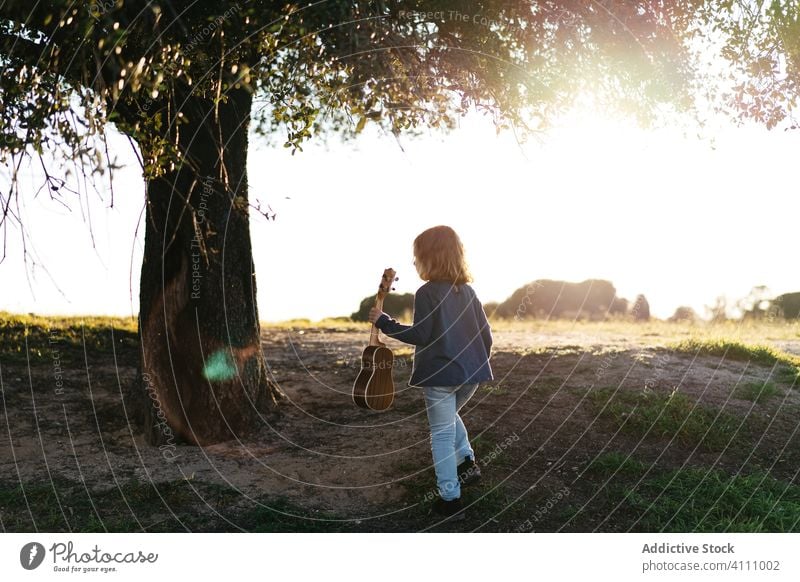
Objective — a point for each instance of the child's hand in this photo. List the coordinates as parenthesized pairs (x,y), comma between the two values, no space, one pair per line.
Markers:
(374,314)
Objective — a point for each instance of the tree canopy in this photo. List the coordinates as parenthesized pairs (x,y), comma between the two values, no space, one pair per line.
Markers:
(70,69)
(760,42)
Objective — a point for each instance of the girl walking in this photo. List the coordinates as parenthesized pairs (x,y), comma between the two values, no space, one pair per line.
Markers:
(453,341)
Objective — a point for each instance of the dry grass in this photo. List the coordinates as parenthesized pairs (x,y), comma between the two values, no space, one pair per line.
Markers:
(743,331)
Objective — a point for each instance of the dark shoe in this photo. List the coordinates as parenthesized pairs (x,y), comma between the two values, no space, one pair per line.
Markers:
(468,472)
(452,509)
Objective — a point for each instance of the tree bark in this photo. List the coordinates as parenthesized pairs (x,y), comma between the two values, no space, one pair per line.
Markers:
(203,376)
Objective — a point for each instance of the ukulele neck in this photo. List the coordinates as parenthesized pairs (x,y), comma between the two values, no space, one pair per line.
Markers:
(373,334)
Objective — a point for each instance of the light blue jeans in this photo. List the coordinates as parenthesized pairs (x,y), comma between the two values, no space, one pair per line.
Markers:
(449,442)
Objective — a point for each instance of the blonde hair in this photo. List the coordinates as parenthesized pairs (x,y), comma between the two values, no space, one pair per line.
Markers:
(440,256)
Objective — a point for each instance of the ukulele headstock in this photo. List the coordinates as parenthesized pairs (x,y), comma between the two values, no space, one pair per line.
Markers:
(389,277)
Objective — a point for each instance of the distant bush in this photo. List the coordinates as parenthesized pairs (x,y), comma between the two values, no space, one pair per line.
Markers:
(684,314)
(619,306)
(396,305)
(491,308)
(786,305)
(547,298)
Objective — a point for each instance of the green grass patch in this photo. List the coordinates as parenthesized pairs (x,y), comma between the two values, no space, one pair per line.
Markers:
(696,500)
(690,499)
(133,506)
(175,506)
(788,375)
(758,392)
(613,462)
(280,516)
(39,337)
(736,350)
(665,415)
(490,499)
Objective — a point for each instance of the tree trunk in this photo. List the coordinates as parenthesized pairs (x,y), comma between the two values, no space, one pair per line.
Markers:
(203,377)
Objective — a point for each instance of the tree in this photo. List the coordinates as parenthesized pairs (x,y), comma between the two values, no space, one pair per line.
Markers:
(548,298)
(619,306)
(641,308)
(755,305)
(719,311)
(395,304)
(490,308)
(683,314)
(761,40)
(786,306)
(180,80)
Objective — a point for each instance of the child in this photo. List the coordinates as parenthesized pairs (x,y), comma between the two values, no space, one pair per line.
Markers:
(453,342)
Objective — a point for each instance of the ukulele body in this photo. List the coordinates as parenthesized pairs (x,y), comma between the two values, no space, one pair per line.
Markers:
(374,387)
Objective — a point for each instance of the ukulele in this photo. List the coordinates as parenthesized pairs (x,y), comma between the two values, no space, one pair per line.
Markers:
(374,388)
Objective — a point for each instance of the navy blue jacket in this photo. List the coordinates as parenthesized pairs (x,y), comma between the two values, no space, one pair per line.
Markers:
(451,333)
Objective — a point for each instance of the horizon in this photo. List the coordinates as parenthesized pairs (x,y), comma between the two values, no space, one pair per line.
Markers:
(568,207)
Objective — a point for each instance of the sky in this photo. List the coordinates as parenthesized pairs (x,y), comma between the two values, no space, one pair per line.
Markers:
(679,218)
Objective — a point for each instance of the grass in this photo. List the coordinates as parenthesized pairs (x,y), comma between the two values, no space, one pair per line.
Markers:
(175,506)
(758,392)
(659,329)
(492,499)
(665,415)
(694,499)
(68,321)
(38,337)
(336,323)
(280,516)
(65,506)
(494,388)
(635,499)
(737,350)
(697,500)
(787,365)
(616,463)
(788,375)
